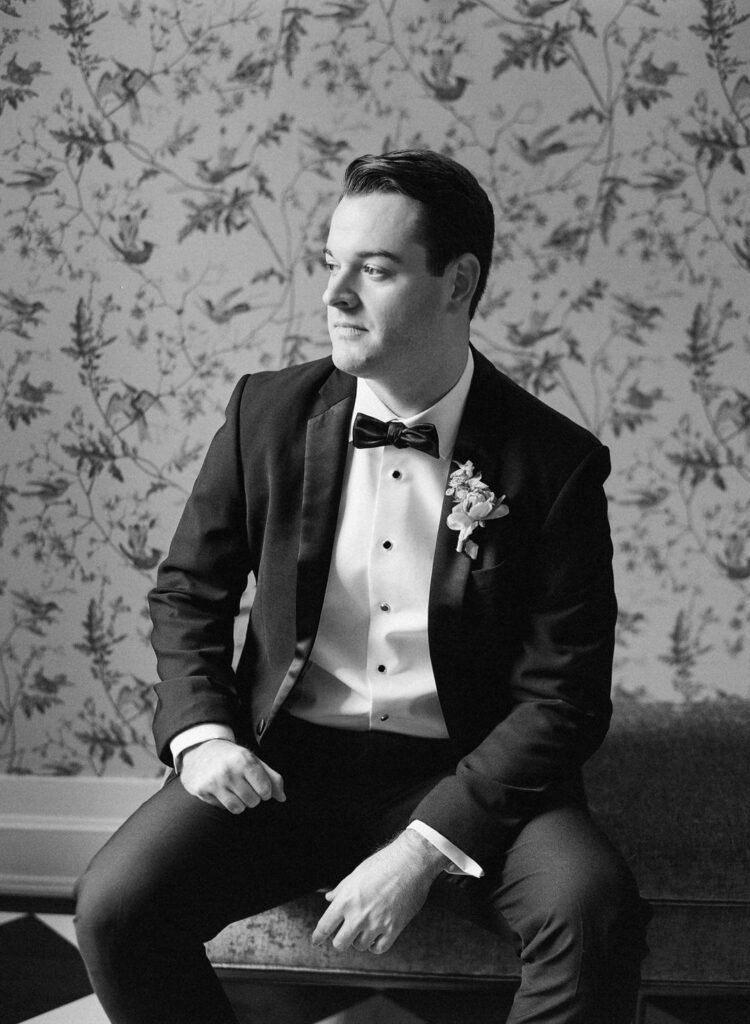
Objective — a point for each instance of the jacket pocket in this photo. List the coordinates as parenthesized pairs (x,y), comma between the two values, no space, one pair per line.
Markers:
(486,580)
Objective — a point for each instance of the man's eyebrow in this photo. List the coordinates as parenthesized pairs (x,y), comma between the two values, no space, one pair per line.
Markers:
(368,254)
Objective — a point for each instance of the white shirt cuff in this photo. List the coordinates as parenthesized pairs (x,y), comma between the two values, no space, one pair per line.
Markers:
(197,734)
(462,864)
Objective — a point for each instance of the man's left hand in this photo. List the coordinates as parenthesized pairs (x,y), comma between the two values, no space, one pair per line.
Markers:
(371,906)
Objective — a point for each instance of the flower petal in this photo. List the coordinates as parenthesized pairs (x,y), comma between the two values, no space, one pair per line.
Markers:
(499,511)
(458,520)
(481,510)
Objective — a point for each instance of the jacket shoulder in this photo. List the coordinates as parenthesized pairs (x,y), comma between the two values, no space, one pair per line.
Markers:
(533,419)
(299,379)
(284,398)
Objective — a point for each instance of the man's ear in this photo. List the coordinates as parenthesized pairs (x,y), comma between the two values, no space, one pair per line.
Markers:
(465,273)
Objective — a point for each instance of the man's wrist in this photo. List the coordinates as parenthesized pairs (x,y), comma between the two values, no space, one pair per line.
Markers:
(430,858)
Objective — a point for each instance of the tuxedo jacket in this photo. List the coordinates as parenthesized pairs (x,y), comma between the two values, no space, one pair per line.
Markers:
(520,638)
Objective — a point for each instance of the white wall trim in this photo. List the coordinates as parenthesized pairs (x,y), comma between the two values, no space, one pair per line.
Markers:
(51,826)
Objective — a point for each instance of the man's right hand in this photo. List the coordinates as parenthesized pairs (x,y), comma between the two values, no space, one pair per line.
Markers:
(225,774)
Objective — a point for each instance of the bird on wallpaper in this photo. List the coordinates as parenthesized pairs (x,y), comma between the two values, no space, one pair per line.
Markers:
(734,414)
(125,84)
(130,15)
(442,82)
(19,75)
(133,406)
(34,179)
(646,498)
(129,246)
(735,564)
(22,311)
(344,12)
(47,490)
(640,399)
(225,309)
(251,71)
(137,552)
(741,91)
(541,147)
(537,8)
(665,180)
(222,168)
(535,332)
(328,148)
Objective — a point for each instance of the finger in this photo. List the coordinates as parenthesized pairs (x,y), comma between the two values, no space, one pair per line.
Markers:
(277,782)
(216,796)
(326,926)
(345,937)
(244,792)
(256,774)
(226,798)
(207,798)
(381,945)
(362,942)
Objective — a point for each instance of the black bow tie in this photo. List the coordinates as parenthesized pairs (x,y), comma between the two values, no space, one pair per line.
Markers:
(371,433)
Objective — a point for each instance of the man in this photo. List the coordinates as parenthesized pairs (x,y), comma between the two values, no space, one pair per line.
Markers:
(428,658)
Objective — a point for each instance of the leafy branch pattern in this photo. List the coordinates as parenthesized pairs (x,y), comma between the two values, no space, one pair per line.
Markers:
(168,171)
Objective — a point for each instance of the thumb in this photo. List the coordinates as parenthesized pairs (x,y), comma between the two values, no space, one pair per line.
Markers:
(277,783)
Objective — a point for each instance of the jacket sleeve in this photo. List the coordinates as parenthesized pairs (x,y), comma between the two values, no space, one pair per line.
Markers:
(197,594)
(559,684)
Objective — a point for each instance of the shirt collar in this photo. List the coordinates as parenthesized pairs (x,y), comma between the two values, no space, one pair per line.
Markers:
(446,413)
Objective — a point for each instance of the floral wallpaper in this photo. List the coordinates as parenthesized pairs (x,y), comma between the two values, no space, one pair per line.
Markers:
(168,169)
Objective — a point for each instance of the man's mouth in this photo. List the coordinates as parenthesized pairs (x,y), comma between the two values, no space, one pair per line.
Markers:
(340,325)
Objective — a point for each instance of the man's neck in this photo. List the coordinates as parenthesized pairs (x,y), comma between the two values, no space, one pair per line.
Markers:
(411,397)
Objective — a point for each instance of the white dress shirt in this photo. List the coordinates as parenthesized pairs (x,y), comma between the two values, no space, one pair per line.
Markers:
(370,666)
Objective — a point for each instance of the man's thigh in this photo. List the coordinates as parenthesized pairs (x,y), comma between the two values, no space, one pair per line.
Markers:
(201,867)
(560,854)
(560,858)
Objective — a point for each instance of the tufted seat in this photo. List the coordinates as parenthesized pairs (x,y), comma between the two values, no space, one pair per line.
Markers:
(671,785)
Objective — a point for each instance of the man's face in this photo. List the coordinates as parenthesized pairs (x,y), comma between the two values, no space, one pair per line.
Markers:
(386,312)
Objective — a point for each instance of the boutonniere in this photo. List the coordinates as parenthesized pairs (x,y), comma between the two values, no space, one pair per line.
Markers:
(475,504)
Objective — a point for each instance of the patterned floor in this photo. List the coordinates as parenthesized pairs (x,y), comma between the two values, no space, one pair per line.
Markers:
(43,981)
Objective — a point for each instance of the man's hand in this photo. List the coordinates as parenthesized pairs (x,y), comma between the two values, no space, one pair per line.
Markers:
(372,906)
(225,774)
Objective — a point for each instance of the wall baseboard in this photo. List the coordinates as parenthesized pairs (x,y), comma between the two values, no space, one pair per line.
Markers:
(51,826)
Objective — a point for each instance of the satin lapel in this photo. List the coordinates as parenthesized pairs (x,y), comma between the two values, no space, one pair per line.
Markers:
(479,438)
(325,460)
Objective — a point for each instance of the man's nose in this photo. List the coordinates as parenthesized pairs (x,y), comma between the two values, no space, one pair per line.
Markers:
(339,292)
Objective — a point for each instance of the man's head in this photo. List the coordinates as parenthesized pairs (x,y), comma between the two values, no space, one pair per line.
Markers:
(457,215)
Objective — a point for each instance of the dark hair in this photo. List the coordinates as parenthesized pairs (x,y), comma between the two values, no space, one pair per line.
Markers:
(458,215)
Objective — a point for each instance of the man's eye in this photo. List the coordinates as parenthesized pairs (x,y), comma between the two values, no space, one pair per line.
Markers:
(373,271)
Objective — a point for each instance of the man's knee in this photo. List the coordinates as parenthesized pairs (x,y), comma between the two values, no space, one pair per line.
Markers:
(596,892)
(569,883)
(106,916)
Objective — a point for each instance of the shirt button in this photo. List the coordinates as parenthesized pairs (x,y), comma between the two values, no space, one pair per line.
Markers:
(387,545)
(384,606)
(381,668)
(396,474)
(384,718)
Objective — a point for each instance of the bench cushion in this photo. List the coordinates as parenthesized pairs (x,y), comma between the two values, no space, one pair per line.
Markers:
(670,785)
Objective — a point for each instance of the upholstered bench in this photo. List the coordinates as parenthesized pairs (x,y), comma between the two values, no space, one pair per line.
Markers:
(672,787)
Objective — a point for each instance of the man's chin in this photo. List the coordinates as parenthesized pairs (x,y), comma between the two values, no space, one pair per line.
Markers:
(348,361)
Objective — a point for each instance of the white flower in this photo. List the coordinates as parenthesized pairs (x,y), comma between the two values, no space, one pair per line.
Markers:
(475,504)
